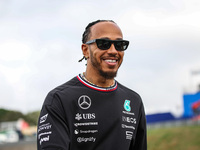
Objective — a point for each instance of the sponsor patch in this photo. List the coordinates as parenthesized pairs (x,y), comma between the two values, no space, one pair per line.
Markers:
(88,116)
(128,113)
(44,139)
(84,139)
(86,124)
(85,131)
(129,127)
(45,133)
(44,127)
(129,135)
(43,118)
(127,106)
(129,119)
(84,102)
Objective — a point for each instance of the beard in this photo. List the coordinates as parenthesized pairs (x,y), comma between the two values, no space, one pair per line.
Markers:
(104,74)
(108,74)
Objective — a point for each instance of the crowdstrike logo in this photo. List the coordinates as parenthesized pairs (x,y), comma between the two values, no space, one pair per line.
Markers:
(86,124)
(84,102)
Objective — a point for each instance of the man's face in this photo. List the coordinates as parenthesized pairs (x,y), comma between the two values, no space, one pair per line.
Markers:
(105,62)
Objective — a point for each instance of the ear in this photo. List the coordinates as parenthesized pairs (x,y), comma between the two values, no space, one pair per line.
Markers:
(85,50)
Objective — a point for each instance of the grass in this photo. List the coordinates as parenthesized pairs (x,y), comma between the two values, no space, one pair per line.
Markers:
(176,138)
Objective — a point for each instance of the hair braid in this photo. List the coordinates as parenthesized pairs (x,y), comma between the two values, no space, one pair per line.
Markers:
(87,32)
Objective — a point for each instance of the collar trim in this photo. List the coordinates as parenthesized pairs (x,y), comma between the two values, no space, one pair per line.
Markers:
(102,89)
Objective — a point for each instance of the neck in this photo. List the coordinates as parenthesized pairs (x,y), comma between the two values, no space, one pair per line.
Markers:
(98,80)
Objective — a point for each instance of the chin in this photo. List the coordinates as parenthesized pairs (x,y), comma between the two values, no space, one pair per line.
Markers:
(108,74)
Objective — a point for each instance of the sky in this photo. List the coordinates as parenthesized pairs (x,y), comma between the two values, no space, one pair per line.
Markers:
(40,45)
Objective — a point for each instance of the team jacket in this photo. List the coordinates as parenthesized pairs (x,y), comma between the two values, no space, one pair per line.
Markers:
(80,116)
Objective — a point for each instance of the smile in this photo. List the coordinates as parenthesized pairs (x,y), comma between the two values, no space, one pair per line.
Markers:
(111,61)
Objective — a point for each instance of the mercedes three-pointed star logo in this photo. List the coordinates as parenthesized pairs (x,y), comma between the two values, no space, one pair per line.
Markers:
(84,102)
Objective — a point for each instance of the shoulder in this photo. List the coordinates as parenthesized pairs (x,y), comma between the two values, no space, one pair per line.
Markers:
(69,84)
(60,90)
(128,91)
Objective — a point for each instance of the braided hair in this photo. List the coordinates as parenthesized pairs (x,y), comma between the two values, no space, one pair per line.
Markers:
(87,32)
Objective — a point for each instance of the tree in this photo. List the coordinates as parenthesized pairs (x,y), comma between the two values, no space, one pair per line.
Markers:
(10,115)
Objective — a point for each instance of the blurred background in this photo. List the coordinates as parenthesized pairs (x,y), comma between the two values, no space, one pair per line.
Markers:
(40,45)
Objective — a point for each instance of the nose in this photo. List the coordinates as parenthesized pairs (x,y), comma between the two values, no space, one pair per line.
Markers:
(112,50)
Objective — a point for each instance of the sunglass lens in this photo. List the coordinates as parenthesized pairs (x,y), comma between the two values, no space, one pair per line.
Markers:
(125,45)
(103,44)
(121,45)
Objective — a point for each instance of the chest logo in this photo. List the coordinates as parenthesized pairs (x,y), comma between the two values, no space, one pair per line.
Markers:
(84,102)
(127,106)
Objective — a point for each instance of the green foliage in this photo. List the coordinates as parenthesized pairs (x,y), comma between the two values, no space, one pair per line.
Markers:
(10,115)
(176,138)
(32,117)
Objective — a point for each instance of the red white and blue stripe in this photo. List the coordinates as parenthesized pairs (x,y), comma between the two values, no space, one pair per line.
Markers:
(102,89)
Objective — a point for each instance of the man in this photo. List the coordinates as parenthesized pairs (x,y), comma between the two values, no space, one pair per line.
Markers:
(93,111)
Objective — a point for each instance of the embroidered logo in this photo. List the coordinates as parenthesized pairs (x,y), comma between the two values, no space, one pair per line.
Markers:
(129,135)
(78,116)
(43,118)
(84,102)
(127,106)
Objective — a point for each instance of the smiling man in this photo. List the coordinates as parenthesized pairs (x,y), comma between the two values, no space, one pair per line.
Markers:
(93,111)
(103,63)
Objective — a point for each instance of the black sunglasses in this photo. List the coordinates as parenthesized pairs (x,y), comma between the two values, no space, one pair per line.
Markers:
(104,44)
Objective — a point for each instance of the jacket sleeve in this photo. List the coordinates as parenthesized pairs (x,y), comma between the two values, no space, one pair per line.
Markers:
(53,132)
(140,142)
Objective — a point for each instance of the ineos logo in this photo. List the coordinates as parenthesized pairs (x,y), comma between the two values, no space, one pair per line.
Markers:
(84,102)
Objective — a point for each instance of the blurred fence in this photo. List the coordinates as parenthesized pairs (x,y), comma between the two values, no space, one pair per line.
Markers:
(177,123)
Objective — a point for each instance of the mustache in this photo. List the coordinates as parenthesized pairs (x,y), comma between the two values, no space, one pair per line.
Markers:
(110,56)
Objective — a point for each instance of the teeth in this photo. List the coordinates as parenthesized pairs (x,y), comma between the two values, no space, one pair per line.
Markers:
(111,61)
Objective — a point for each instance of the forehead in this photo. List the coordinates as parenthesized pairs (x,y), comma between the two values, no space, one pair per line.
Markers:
(106,30)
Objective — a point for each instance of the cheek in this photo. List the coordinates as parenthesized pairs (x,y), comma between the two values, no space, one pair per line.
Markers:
(121,54)
(98,54)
